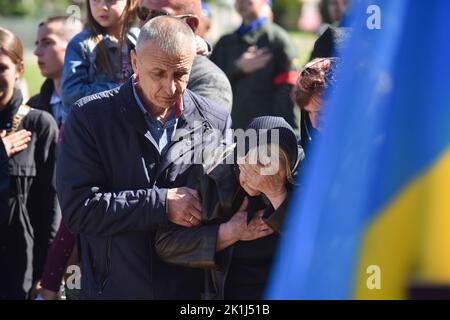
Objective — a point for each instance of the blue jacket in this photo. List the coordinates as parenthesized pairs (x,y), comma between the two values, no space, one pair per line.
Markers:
(81,76)
(112,184)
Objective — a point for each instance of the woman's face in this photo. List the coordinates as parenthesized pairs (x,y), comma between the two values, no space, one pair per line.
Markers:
(314,110)
(245,184)
(9,73)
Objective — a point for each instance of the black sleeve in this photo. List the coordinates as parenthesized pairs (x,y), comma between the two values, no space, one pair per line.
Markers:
(4,184)
(43,203)
(189,247)
(88,206)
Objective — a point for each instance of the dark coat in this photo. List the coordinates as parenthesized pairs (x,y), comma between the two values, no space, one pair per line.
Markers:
(112,185)
(41,100)
(258,93)
(34,213)
(4,184)
(240,271)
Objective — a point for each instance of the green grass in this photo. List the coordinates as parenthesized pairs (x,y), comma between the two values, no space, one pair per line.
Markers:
(304,42)
(32,75)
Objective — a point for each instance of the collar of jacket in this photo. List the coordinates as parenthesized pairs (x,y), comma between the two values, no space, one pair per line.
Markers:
(251,37)
(190,120)
(45,95)
(6,116)
(244,29)
(188,117)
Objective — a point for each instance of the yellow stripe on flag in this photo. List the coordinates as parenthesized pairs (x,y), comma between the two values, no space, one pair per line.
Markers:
(410,239)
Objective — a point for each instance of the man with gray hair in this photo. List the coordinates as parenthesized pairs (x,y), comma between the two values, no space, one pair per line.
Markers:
(122,169)
(206,79)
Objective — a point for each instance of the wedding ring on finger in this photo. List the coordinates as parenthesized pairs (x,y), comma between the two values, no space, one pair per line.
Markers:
(190,219)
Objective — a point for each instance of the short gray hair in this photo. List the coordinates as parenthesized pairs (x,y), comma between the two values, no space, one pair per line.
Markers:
(172,35)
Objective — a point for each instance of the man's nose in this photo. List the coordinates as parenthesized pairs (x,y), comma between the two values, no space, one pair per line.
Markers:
(37,51)
(170,86)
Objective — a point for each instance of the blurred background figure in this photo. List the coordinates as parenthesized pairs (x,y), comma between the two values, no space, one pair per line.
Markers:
(205,21)
(98,58)
(52,38)
(337,10)
(258,60)
(310,18)
(315,79)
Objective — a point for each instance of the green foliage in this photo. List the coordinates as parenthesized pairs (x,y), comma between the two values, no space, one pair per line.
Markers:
(286,13)
(34,8)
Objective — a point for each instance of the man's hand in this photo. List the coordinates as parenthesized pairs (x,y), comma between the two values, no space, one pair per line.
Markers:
(202,46)
(184,207)
(253,59)
(16,142)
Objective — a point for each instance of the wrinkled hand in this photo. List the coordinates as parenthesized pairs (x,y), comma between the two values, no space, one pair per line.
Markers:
(16,142)
(184,207)
(253,59)
(202,46)
(237,228)
(272,186)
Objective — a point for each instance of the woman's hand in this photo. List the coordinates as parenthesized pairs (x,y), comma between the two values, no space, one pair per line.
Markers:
(272,186)
(16,142)
(237,228)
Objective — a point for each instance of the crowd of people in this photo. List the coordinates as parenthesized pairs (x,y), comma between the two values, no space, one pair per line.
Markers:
(110,145)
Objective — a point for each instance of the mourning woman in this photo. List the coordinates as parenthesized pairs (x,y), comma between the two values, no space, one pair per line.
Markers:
(243,210)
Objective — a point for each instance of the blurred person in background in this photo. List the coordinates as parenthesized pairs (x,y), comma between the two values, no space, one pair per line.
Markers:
(33,214)
(332,37)
(98,58)
(337,10)
(316,77)
(205,21)
(258,59)
(52,38)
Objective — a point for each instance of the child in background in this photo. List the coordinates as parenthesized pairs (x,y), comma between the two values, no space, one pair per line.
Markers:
(98,58)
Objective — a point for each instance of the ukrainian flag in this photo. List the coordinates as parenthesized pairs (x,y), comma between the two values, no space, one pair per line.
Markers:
(373,216)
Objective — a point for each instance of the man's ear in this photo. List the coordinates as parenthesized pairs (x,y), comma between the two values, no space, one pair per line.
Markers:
(134,62)
(193,22)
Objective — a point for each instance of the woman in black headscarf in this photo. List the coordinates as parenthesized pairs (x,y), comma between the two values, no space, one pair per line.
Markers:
(243,208)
